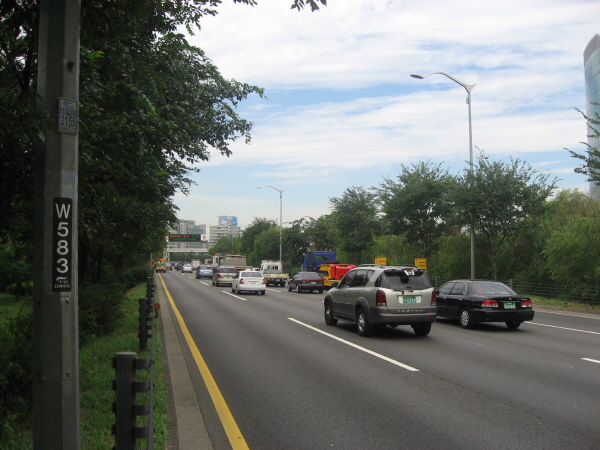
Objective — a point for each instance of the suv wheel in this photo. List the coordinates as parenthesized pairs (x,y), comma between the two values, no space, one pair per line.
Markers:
(422,329)
(466,319)
(363,327)
(329,319)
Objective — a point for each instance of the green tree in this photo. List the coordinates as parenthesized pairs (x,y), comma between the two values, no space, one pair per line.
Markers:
(499,198)
(417,205)
(356,222)
(266,246)
(296,239)
(321,233)
(591,166)
(249,235)
(225,245)
(573,237)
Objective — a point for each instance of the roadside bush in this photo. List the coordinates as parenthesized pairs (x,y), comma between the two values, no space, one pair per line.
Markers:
(16,383)
(134,276)
(99,310)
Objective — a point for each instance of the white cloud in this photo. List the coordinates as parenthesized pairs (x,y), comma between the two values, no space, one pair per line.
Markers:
(344,106)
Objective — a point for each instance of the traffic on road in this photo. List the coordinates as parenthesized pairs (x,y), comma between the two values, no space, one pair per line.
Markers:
(290,380)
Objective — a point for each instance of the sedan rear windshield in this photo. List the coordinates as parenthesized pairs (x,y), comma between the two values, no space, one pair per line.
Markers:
(227,270)
(397,281)
(310,275)
(251,274)
(490,288)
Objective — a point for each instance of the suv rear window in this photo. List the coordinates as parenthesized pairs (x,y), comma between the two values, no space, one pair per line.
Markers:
(396,280)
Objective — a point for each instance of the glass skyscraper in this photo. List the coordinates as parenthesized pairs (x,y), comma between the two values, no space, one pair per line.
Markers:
(591,63)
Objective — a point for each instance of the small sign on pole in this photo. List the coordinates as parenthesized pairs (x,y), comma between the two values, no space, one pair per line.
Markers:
(67,116)
(421,263)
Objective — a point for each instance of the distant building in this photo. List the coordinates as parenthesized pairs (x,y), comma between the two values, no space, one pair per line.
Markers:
(591,63)
(227,227)
(188,227)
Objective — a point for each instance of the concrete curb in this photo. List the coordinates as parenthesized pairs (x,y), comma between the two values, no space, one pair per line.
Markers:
(188,424)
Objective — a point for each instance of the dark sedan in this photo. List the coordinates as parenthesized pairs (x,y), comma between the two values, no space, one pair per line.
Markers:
(306,281)
(473,301)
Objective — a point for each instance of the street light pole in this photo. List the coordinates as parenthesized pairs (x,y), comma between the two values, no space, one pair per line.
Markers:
(280,219)
(468,88)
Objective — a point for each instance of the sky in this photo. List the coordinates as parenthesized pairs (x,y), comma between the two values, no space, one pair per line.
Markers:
(342,111)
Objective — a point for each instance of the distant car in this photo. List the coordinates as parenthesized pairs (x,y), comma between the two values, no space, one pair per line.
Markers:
(204,271)
(223,275)
(169,266)
(248,280)
(186,268)
(375,296)
(306,281)
(178,266)
(473,301)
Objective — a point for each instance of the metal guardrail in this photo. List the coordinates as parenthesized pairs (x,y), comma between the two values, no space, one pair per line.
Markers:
(126,386)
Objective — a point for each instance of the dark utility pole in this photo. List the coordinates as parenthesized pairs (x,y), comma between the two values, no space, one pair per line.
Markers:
(56,409)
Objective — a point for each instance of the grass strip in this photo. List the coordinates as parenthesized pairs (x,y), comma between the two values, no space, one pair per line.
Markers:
(95,385)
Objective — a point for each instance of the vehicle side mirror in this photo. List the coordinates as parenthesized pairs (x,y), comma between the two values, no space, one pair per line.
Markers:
(335,284)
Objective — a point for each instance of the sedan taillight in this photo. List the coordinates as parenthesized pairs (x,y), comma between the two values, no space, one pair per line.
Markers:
(241,281)
(264,281)
(489,304)
(380,299)
(526,304)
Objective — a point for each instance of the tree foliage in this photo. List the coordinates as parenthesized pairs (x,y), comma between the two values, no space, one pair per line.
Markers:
(591,161)
(417,205)
(573,237)
(498,198)
(356,222)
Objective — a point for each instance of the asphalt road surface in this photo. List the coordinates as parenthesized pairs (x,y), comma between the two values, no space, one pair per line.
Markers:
(292,382)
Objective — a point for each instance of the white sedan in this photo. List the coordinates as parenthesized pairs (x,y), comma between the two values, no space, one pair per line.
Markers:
(250,281)
(186,268)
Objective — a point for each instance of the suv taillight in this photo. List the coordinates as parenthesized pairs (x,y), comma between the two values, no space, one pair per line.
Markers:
(433,298)
(489,304)
(380,299)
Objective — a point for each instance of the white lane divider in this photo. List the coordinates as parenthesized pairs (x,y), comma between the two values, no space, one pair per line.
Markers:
(561,328)
(591,360)
(236,296)
(366,350)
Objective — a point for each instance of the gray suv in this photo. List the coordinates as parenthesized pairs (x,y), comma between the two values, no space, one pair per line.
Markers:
(383,295)
(223,275)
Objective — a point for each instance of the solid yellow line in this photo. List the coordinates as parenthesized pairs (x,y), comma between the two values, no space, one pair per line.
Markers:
(234,434)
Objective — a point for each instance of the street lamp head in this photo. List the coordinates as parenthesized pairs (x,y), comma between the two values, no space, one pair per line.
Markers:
(415,75)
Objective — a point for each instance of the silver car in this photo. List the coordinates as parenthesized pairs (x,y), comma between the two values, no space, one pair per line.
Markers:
(250,281)
(383,295)
(187,268)
(223,275)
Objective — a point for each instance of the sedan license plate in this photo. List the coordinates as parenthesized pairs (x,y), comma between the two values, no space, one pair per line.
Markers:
(409,299)
(313,282)
(509,305)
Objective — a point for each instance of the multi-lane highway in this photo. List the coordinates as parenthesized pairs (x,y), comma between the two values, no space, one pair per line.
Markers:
(291,382)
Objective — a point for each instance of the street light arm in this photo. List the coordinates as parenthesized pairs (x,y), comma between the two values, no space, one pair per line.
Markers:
(468,87)
(272,187)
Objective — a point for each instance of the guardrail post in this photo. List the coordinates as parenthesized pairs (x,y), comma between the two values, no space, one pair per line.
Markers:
(145,317)
(125,408)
